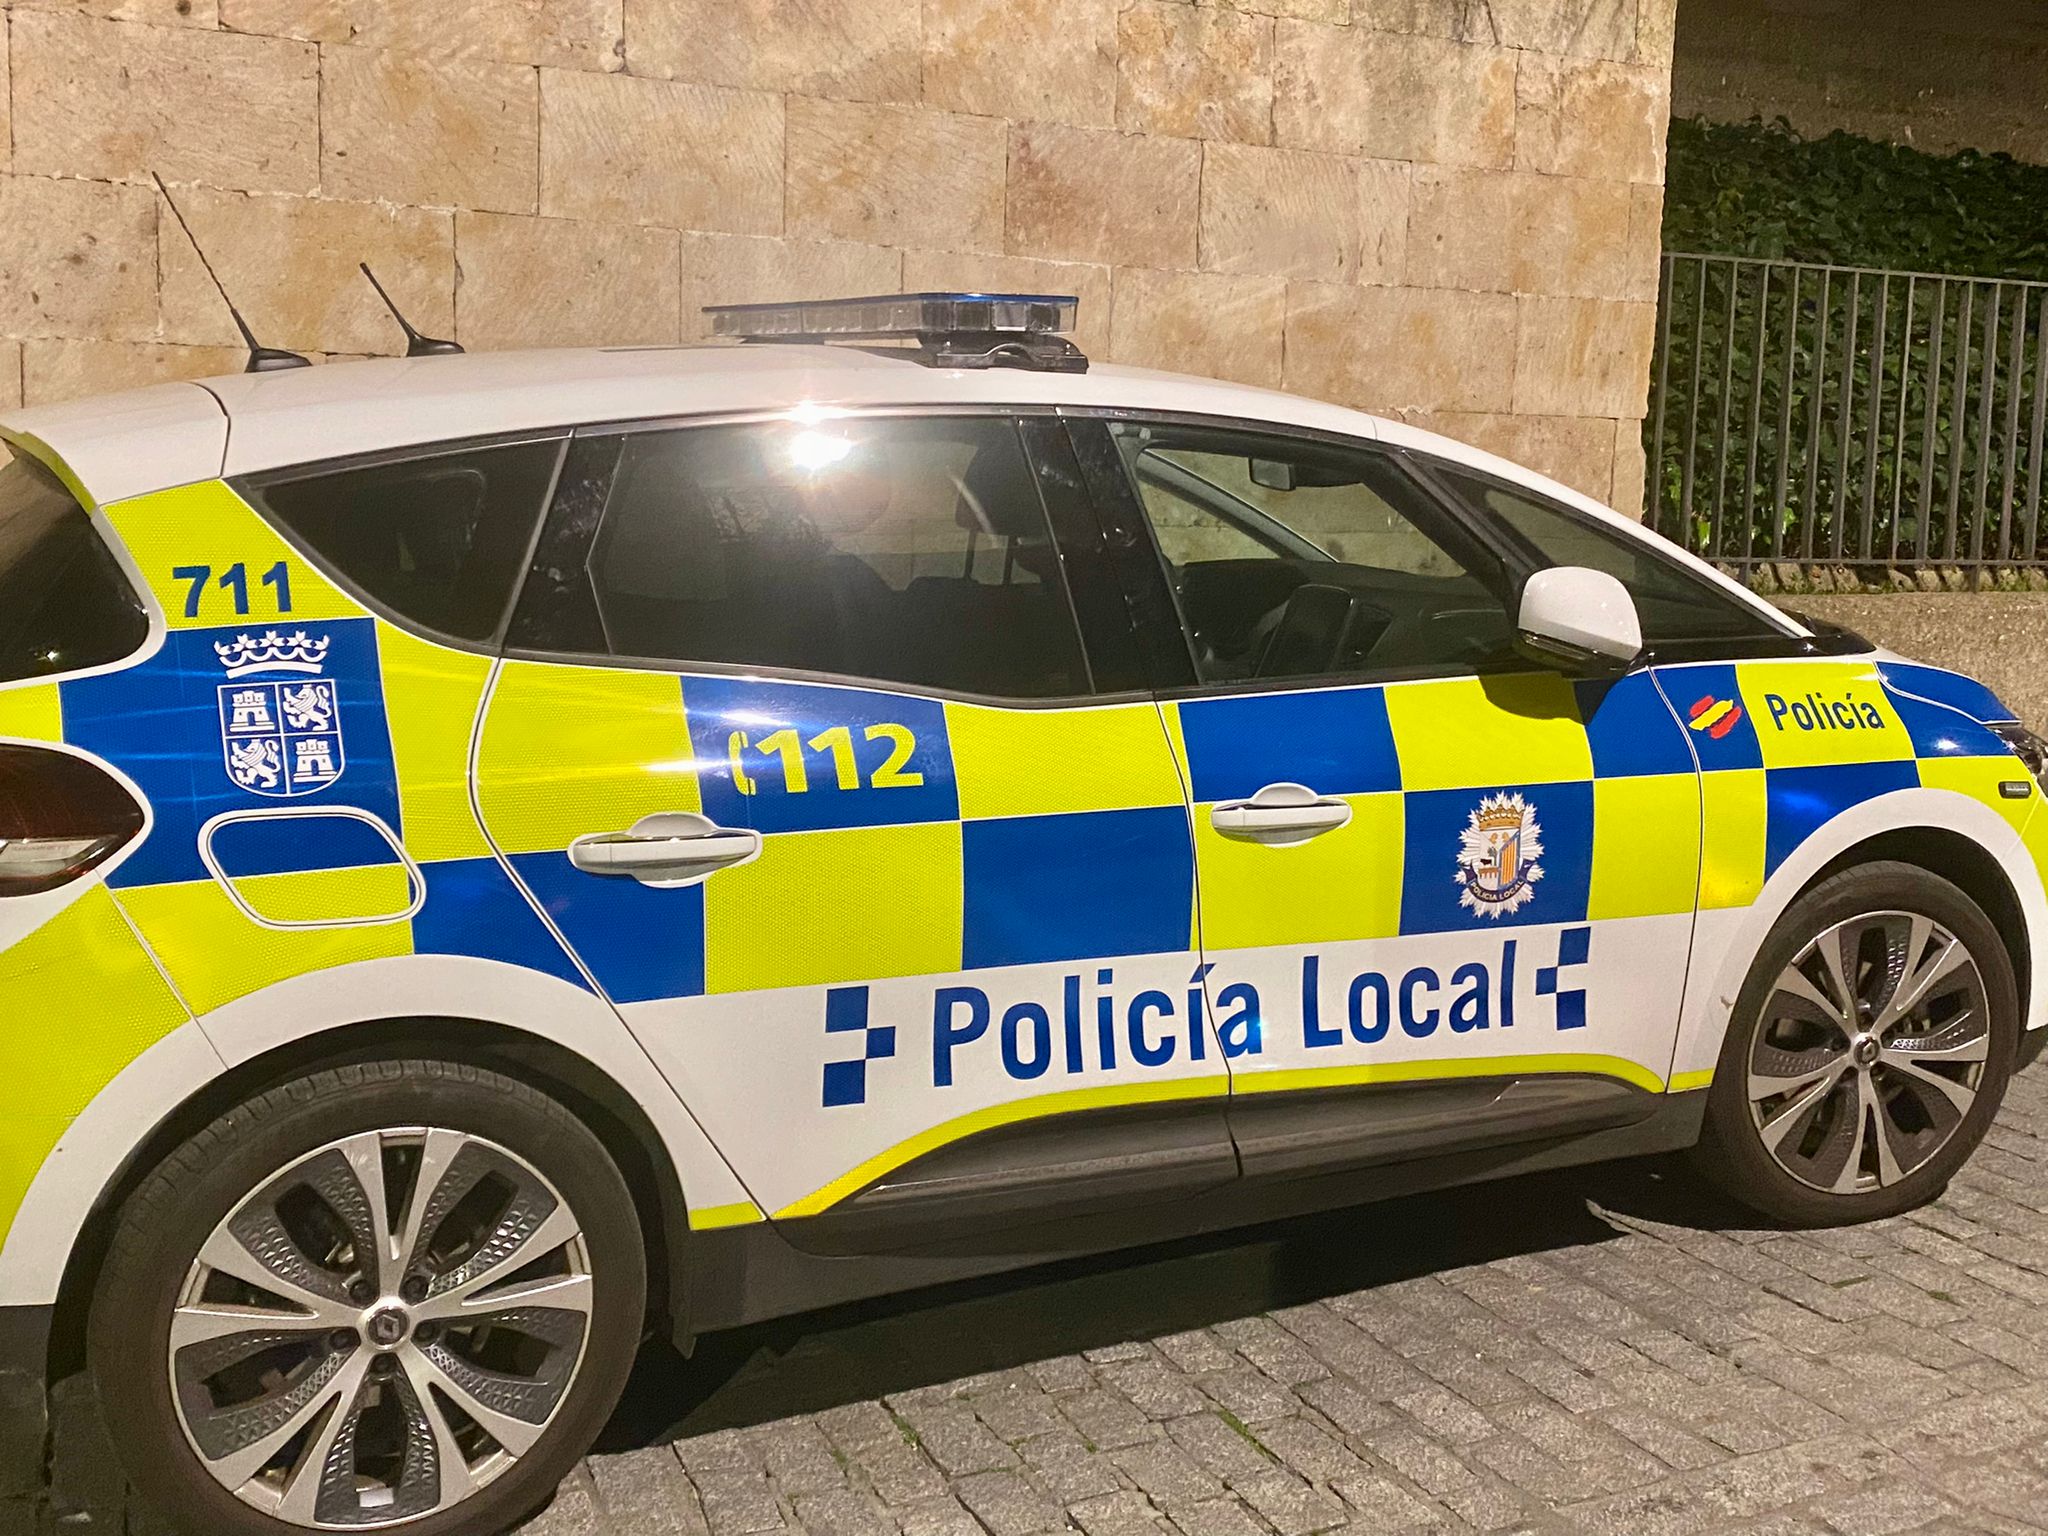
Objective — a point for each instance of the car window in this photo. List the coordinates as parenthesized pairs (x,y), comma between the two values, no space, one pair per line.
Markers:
(64,602)
(1292,558)
(438,539)
(1677,609)
(895,550)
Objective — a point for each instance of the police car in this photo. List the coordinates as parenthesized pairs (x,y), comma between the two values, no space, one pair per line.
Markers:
(500,854)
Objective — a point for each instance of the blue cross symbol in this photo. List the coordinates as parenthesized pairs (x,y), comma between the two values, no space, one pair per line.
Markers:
(1573,946)
(846,1010)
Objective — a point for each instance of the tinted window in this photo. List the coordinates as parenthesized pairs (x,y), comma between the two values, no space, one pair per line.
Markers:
(1676,607)
(64,602)
(906,551)
(1295,559)
(438,539)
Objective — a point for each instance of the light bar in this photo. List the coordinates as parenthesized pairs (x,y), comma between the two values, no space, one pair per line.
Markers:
(898,316)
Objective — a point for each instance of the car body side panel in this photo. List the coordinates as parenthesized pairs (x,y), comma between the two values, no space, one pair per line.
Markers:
(1802,760)
(945,896)
(1365,957)
(282,894)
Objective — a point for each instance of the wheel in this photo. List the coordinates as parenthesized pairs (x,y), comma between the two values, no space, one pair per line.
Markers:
(1868,1051)
(399,1293)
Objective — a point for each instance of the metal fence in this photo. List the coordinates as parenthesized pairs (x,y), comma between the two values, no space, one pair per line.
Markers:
(1848,417)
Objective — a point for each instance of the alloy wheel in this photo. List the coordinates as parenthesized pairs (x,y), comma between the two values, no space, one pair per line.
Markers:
(1869,1052)
(381,1329)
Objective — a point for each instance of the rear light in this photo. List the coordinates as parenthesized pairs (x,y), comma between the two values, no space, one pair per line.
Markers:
(60,817)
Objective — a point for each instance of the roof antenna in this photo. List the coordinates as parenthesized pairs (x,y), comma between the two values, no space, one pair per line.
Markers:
(262,359)
(416,345)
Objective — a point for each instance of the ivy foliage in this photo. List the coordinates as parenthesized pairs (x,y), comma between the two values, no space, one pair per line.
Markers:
(1759,189)
(1843,420)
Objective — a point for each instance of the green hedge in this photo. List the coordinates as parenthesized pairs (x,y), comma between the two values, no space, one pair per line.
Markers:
(1759,189)
(1798,470)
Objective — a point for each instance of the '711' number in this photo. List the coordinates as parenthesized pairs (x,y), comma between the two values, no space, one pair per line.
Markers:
(234,579)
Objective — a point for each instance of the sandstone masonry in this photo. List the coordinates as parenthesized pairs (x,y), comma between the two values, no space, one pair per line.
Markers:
(1441,209)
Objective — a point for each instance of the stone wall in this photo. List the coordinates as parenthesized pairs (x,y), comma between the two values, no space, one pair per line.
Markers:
(1940,75)
(1447,209)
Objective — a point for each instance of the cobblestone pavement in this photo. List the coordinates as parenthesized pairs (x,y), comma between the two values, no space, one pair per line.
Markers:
(1605,1350)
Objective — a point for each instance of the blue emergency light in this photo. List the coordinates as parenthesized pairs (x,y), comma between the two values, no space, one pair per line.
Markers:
(942,330)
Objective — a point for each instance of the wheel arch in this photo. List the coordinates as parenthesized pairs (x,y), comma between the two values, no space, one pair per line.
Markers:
(1947,833)
(597,1099)
(1965,864)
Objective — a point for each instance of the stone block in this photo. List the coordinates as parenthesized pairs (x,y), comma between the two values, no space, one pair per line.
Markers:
(1336,12)
(567,34)
(116,100)
(1200,322)
(888,175)
(1573,237)
(1195,72)
(1587,357)
(462,133)
(77,258)
(162,13)
(1039,59)
(1597,29)
(1656,31)
(1391,96)
(1591,118)
(10,374)
(1457,232)
(1298,213)
(290,263)
(1631,470)
(70,370)
(6,129)
(752,269)
(1645,241)
(854,50)
(627,150)
(1090,284)
(529,282)
(1401,349)
(1577,451)
(1083,194)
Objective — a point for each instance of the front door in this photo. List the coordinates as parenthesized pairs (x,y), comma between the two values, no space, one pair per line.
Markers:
(1446,899)
(840,805)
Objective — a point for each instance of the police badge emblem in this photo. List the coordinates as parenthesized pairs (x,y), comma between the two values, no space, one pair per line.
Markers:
(280,739)
(1497,856)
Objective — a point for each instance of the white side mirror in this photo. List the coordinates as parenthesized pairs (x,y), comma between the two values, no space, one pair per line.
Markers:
(1575,615)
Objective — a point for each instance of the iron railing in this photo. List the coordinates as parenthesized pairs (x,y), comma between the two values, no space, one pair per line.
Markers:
(1848,417)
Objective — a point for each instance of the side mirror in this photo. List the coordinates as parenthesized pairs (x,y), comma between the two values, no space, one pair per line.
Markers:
(1576,617)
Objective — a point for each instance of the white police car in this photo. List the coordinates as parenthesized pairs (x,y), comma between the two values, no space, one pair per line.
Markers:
(499,854)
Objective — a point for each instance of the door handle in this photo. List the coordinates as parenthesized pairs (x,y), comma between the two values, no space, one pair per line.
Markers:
(1280,815)
(666,849)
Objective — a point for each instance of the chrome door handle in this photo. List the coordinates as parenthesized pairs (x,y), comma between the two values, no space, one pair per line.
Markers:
(666,849)
(1280,815)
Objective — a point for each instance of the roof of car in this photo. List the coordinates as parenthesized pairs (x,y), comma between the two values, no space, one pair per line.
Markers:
(301,415)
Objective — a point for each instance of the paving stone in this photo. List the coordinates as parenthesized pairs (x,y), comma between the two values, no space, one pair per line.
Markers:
(1226,1451)
(1118,1514)
(1291,1506)
(1106,1420)
(1007,1504)
(958,1441)
(1069,1469)
(646,1492)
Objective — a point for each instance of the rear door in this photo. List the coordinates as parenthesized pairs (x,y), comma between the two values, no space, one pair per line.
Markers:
(1446,896)
(832,763)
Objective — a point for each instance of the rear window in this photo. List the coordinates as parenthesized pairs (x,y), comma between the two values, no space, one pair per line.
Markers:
(65,604)
(438,539)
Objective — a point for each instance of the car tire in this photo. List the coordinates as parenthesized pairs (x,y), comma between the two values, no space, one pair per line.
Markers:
(505,1290)
(1880,1136)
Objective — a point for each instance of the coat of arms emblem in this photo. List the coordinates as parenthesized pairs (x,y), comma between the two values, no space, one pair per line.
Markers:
(1497,856)
(279,738)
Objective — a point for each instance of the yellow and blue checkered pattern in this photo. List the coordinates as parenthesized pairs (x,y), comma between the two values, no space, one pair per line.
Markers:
(901,835)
